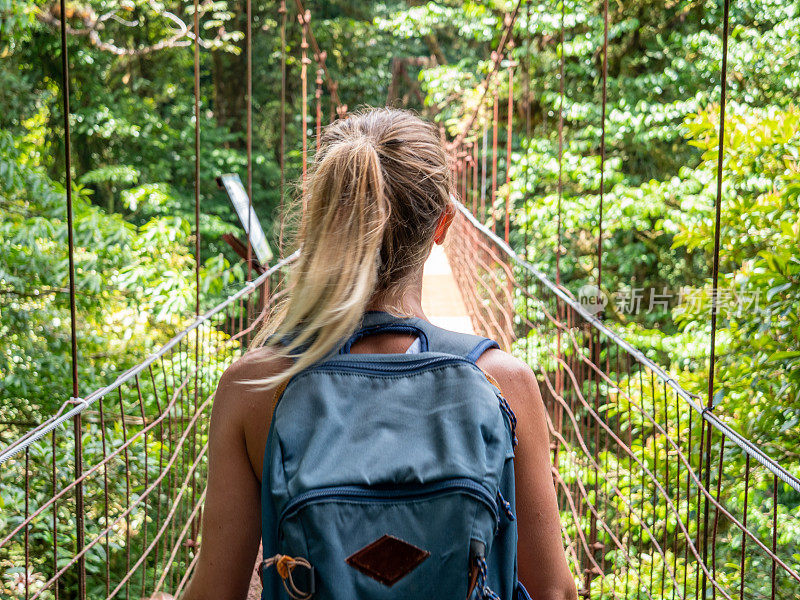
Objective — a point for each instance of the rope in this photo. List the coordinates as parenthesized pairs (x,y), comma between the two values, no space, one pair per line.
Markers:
(60,419)
(602,149)
(304,18)
(526,183)
(197,157)
(73,319)
(506,506)
(197,257)
(636,354)
(474,178)
(282,12)
(715,281)
(318,95)
(284,565)
(249,144)
(560,147)
(464,171)
(332,85)
(249,135)
(509,129)
(718,200)
(485,592)
(484,156)
(495,117)
(512,418)
(508,27)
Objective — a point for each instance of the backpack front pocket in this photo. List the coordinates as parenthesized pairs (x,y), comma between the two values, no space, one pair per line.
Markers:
(379,542)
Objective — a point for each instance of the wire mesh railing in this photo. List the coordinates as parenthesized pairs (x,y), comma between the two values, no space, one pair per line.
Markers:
(105,498)
(659,498)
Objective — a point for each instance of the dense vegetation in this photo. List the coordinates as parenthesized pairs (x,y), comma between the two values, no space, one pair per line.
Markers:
(132,141)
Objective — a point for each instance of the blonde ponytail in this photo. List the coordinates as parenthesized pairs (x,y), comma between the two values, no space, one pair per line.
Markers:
(377,188)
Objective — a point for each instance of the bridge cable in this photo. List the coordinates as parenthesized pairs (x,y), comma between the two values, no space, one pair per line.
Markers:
(508,23)
(318,96)
(595,337)
(332,85)
(475,178)
(249,150)
(197,257)
(484,157)
(497,54)
(560,146)
(197,156)
(495,118)
(464,167)
(509,136)
(249,141)
(525,198)
(77,425)
(304,18)
(559,243)
(602,149)
(715,281)
(282,148)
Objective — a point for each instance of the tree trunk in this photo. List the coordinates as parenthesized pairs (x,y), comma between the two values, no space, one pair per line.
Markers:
(229,73)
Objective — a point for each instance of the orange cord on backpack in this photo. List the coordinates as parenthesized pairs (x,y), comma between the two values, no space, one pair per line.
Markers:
(284,565)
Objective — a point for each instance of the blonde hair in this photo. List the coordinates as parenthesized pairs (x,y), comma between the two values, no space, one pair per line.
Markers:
(377,189)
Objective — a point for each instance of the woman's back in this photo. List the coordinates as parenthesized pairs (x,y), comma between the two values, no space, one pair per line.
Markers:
(399,456)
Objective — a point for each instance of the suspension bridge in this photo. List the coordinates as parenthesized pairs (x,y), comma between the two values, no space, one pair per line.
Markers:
(113,484)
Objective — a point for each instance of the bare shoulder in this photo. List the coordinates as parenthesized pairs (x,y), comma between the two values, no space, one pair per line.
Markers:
(507,370)
(243,404)
(241,386)
(516,379)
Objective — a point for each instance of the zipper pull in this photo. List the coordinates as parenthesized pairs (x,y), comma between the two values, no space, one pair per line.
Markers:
(477,553)
(512,418)
(506,506)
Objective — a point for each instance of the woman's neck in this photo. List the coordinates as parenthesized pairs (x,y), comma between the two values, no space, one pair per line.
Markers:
(409,300)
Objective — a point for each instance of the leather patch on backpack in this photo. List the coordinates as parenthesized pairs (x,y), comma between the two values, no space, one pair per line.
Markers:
(388,559)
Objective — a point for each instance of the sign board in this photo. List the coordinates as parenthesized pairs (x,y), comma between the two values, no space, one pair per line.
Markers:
(238,195)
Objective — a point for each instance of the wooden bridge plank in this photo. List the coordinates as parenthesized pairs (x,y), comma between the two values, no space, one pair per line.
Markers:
(441,298)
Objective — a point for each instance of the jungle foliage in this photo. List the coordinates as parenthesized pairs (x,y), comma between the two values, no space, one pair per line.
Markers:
(132,140)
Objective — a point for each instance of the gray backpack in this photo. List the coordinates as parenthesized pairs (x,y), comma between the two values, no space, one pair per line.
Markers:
(391,475)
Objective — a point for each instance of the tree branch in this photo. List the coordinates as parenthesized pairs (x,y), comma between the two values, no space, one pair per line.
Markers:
(92,24)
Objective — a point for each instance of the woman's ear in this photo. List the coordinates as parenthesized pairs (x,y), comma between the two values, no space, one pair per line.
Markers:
(444,224)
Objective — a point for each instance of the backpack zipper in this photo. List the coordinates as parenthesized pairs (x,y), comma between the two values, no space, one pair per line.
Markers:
(368,494)
(385,369)
(415,366)
(411,366)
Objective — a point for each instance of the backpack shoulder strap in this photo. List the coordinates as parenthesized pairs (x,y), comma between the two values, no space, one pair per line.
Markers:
(432,338)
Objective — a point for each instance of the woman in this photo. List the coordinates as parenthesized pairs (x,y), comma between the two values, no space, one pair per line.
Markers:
(377,200)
